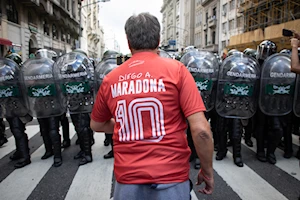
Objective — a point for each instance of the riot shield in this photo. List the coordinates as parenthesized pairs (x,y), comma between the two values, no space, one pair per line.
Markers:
(75,73)
(43,92)
(238,87)
(277,86)
(12,100)
(102,69)
(204,67)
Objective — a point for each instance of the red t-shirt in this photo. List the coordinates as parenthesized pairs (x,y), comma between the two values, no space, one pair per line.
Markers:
(149,97)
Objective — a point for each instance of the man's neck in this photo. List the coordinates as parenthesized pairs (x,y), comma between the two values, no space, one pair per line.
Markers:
(133,51)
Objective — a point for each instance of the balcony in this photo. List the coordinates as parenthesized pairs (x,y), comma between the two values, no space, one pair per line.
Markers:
(212,22)
(205,27)
(31,2)
(205,2)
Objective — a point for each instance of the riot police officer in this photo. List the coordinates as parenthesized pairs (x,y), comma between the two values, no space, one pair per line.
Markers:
(13,105)
(275,100)
(45,101)
(237,93)
(75,73)
(108,63)
(204,67)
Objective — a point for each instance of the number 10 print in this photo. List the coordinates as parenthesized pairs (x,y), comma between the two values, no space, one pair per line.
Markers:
(132,129)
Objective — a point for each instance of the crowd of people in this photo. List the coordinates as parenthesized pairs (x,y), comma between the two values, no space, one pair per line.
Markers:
(150,109)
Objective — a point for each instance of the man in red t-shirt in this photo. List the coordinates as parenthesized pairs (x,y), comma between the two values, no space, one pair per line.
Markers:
(145,103)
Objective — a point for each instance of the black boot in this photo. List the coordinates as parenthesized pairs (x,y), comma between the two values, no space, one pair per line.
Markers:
(56,140)
(48,146)
(87,146)
(18,129)
(22,163)
(84,133)
(274,137)
(298,154)
(3,138)
(236,142)
(16,155)
(108,139)
(222,138)
(248,133)
(287,135)
(65,131)
(110,154)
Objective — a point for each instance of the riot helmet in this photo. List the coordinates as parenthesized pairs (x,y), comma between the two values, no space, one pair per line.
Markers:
(189,48)
(265,49)
(163,54)
(80,51)
(15,57)
(109,54)
(233,52)
(286,51)
(45,53)
(53,54)
(250,52)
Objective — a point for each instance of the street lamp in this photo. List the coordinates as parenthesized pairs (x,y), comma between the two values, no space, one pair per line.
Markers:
(80,30)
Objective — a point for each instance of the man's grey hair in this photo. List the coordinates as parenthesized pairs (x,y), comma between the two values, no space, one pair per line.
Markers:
(143,31)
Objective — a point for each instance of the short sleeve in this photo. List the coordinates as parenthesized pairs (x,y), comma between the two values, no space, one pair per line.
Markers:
(189,96)
(101,112)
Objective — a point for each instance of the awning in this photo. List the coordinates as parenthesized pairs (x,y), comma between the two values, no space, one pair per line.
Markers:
(4,41)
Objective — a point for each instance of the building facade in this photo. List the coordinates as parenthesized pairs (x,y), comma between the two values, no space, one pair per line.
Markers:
(29,25)
(264,20)
(221,25)
(92,35)
(211,19)
(231,22)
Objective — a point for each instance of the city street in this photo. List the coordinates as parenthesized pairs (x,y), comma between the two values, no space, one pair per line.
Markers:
(41,181)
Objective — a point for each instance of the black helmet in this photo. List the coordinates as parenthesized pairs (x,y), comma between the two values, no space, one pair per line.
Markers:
(80,51)
(233,52)
(45,53)
(15,57)
(286,51)
(250,52)
(189,48)
(109,54)
(265,49)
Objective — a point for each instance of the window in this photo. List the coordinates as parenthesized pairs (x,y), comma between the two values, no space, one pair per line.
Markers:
(223,44)
(63,36)
(224,26)
(205,38)
(232,4)
(69,38)
(63,3)
(215,12)
(46,27)
(239,22)
(225,7)
(54,32)
(231,24)
(30,18)
(206,17)
(11,11)
(213,37)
